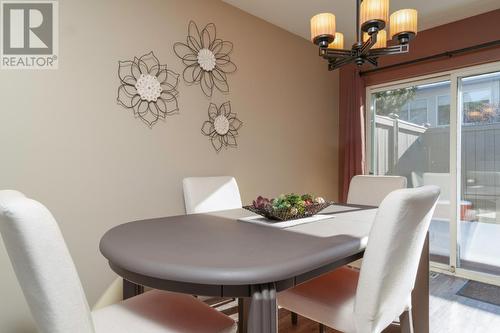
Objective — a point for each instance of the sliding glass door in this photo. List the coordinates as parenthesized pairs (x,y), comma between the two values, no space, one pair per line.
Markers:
(445,130)
(479,225)
(411,138)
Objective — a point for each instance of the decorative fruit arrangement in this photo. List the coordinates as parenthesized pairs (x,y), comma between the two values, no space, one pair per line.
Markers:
(288,206)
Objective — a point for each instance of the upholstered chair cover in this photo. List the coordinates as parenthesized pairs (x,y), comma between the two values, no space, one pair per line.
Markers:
(391,258)
(371,190)
(10,194)
(209,194)
(54,293)
(43,267)
(367,301)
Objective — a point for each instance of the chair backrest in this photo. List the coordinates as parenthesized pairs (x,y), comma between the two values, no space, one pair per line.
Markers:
(43,266)
(371,190)
(209,194)
(391,259)
(10,194)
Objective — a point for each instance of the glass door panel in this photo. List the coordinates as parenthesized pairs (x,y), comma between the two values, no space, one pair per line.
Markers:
(479,223)
(410,137)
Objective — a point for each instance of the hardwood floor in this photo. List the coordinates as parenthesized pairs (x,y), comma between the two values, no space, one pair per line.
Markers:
(449,313)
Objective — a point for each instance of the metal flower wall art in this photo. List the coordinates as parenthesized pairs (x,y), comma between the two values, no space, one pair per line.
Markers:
(222,126)
(207,59)
(148,88)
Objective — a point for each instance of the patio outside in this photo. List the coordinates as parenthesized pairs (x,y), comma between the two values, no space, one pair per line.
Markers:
(412,139)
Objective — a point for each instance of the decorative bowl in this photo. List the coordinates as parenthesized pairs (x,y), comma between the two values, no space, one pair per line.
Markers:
(286,214)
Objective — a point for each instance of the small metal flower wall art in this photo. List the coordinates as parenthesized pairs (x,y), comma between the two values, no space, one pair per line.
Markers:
(148,88)
(222,126)
(207,59)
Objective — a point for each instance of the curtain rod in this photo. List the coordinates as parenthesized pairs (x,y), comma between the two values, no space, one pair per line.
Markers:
(448,54)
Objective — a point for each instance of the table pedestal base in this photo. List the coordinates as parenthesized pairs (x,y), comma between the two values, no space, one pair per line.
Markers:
(259,314)
(131,289)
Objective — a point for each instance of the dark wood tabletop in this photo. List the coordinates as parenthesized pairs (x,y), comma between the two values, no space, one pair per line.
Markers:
(218,250)
(215,254)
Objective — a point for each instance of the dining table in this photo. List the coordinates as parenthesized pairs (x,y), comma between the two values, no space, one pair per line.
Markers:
(217,254)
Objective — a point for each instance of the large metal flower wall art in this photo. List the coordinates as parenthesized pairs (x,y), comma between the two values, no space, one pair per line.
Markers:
(207,58)
(148,88)
(222,126)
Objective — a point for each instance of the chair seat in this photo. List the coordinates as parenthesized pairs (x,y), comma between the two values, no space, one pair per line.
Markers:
(161,312)
(328,299)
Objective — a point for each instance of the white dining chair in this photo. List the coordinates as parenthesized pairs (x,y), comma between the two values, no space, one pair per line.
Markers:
(54,293)
(209,194)
(367,301)
(370,190)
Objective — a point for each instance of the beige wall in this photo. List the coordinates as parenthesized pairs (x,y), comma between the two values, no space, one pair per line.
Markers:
(65,141)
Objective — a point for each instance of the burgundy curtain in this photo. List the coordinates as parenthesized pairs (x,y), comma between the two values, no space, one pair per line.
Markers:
(352,127)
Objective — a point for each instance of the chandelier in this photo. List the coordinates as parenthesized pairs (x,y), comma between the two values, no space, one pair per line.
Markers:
(372,17)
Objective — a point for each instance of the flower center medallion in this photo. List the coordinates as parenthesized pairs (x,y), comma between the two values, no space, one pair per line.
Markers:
(221,124)
(206,59)
(148,87)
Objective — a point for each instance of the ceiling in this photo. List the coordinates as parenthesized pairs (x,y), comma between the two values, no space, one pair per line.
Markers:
(294,15)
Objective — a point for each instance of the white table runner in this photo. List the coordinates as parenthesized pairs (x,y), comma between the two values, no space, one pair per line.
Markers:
(257,219)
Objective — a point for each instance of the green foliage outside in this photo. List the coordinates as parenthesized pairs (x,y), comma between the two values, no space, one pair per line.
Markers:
(392,101)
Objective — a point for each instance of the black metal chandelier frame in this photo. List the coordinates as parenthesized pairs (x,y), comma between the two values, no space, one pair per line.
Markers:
(362,52)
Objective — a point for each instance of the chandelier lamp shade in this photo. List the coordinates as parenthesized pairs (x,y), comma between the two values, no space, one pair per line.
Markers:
(372,25)
(403,25)
(338,41)
(323,28)
(374,14)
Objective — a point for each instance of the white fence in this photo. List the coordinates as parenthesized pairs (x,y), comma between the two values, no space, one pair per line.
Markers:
(408,150)
(393,139)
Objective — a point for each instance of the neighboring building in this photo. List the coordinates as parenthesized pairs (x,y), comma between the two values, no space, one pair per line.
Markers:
(430,103)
